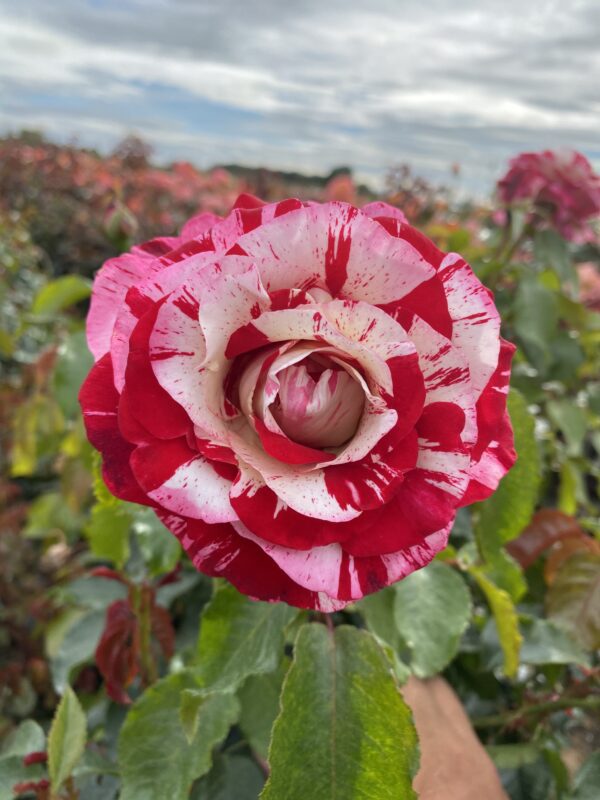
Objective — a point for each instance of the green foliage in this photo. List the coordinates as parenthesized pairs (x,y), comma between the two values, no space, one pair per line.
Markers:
(155,757)
(66,739)
(61,293)
(506,619)
(239,637)
(108,533)
(27,738)
(432,609)
(73,363)
(504,515)
(344,730)
(587,780)
(231,778)
(259,697)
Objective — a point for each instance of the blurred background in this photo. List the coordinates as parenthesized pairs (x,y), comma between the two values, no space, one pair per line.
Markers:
(308,86)
(119,120)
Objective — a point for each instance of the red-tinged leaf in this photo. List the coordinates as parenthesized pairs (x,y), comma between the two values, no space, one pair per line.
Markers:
(117,654)
(563,550)
(546,527)
(110,574)
(39,757)
(41,789)
(170,577)
(162,630)
(573,600)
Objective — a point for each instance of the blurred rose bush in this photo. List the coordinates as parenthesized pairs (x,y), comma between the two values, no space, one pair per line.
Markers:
(560,189)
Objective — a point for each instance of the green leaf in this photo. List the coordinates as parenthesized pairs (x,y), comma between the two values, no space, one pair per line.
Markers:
(108,533)
(573,600)
(38,425)
(378,611)
(156,760)
(546,643)
(239,637)
(60,294)
(432,610)
(552,251)
(49,514)
(259,697)
(586,785)
(27,738)
(73,363)
(512,756)
(536,320)
(506,619)
(344,730)
(66,739)
(189,711)
(504,515)
(231,778)
(159,548)
(571,421)
(76,646)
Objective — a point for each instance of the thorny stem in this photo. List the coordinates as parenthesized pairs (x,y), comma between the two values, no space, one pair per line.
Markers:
(508,718)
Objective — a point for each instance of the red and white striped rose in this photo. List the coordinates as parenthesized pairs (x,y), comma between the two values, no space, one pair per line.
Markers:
(304,393)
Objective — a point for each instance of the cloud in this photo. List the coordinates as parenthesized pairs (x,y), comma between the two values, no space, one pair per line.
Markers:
(308,85)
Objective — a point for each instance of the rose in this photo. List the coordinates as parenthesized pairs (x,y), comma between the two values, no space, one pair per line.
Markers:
(561,186)
(304,393)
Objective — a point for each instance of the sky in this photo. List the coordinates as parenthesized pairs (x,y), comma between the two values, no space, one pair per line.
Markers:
(309,85)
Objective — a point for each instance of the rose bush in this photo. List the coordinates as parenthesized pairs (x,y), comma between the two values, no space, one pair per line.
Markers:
(562,187)
(304,393)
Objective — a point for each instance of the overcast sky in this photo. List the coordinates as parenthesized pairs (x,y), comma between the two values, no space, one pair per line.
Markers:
(309,84)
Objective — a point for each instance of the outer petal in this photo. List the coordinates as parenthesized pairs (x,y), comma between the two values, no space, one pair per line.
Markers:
(143,396)
(99,402)
(108,295)
(178,479)
(475,319)
(494,453)
(219,551)
(330,571)
(335,247)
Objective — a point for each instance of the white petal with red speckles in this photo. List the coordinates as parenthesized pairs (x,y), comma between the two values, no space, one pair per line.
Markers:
(110,287)
(196,491)
(402,563)
(151,290)
(475,319)
(325,568)
(336,247)
(446,372)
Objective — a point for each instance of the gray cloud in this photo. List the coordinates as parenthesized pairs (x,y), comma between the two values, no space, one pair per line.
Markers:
(310,85)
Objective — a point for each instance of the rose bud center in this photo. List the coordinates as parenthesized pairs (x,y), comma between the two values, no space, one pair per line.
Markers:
(319,404)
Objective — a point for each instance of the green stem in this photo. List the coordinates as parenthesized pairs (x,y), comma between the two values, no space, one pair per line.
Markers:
(548,707)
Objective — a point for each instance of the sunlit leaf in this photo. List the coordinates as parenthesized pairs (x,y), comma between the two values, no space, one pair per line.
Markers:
(60,294)
(344,730)
(506,619)
(503,516)
(66,739)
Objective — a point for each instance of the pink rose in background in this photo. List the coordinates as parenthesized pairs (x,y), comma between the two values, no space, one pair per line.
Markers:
(562,186)
(304,393)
